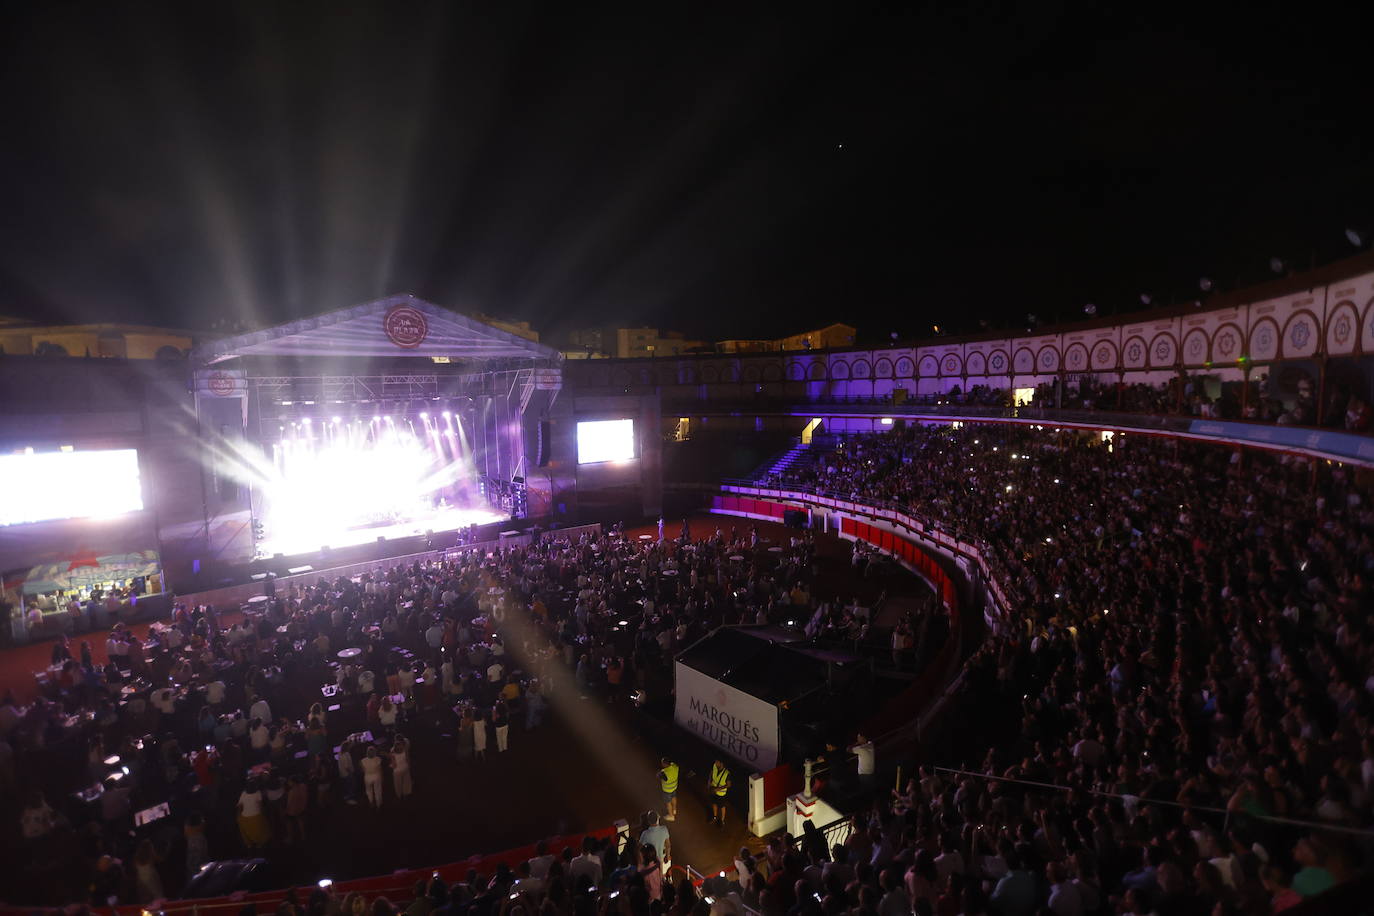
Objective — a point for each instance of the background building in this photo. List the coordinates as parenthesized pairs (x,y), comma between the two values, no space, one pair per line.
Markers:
(826,338)
(633,342)
(518,328)
(119,341)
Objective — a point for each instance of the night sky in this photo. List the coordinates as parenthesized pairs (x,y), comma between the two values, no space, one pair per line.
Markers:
(726,173)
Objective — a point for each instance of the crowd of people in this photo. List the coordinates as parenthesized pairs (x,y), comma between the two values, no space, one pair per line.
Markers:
(1181,396)
(1173,706)
(311,699)
(1185,658)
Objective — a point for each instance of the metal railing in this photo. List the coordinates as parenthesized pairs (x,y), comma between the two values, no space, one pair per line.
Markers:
(836,833)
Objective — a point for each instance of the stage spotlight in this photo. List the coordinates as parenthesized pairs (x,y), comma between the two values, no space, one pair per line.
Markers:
(1277,265)
(1145,299)
(447,414)
(424,415)
(1356,237)
(1205,284)
(336,419)
(1090,309)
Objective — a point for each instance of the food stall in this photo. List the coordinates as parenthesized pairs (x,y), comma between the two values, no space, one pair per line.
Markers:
(109,588)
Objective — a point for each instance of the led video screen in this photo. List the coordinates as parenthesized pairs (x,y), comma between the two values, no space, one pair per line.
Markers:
(605,440)
(40,486)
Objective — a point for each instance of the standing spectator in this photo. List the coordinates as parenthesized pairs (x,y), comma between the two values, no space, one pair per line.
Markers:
(400,768)
(37,819)
(297,801)
(1280,888)
(535,705)
(465,734)
(146,876)
(479,734)
(372,776)
(865,764)
(500,720)
(1064,899)
(253,825)
(651,871)
(386,715)
(895,901)
(197,847)
(1313,877)
(587,865)
(656,837)
(348,774)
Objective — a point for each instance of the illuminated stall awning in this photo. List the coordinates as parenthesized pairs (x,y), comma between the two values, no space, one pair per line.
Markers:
(83,572)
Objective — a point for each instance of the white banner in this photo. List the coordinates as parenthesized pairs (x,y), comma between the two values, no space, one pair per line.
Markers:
(741,725)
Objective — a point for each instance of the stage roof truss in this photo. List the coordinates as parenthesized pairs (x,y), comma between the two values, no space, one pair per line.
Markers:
(396,326)
(511,384)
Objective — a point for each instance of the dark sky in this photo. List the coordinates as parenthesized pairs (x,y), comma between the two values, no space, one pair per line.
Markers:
(727,173)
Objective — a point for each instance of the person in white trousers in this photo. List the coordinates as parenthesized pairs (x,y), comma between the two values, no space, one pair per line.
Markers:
(400,768)
(500,717)
(372,777)
(479,735)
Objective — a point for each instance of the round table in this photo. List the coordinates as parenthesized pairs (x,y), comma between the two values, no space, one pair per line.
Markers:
(646,537)
(258,599)
(737,558)
(775,549)
(350,653)
(670,572)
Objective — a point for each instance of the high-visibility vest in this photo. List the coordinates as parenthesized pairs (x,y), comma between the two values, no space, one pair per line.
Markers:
(667,778)
(720,778)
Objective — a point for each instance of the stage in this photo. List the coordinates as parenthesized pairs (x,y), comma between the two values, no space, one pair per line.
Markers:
(441,520)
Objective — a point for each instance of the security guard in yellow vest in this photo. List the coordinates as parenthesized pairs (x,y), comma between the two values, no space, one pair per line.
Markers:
(667,784)
(720,785)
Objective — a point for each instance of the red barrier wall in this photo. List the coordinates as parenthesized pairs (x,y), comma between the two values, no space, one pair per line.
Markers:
(398,886)
(778,784)
(751,506)
(931,681)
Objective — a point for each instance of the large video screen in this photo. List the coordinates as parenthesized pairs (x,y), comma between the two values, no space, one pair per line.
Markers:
(39,486)
(605,440)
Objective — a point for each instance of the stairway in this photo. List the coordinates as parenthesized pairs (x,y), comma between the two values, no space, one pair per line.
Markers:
(798,456)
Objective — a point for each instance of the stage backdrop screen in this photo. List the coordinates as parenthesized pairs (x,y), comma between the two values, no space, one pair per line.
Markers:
(52,485)
(605,440)
(741,725)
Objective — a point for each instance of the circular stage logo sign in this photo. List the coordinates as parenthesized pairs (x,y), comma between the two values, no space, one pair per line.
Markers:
(405,326)
(222,384)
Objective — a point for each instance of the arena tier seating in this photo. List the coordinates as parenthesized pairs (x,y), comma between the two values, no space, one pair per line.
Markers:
(1174,712)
